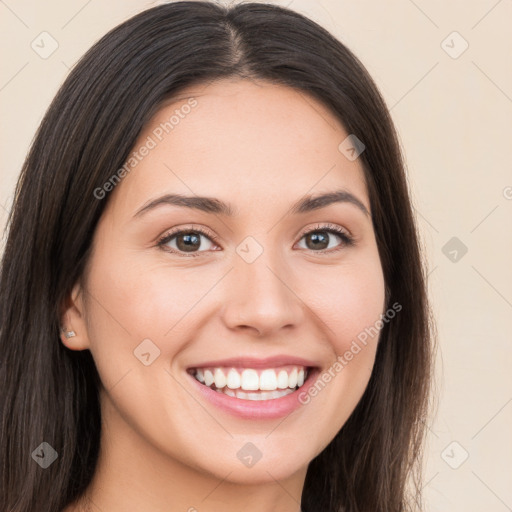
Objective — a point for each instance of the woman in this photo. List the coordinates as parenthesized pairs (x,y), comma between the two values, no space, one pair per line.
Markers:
(212,292)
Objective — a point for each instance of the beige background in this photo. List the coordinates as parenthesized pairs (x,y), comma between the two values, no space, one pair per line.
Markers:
(454,116)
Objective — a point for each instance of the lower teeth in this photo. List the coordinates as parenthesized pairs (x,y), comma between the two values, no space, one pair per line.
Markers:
(260,395)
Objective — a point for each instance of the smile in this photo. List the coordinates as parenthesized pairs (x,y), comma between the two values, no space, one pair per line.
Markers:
(253,388)
(252,384)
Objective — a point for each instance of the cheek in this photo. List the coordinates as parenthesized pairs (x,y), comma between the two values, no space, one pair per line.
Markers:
(127,307)
(350,304)
(136,300)
(349,301)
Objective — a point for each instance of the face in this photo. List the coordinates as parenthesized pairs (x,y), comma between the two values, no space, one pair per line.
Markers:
(171,287)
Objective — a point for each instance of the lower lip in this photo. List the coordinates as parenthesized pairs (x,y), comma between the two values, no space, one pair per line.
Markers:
(257,409)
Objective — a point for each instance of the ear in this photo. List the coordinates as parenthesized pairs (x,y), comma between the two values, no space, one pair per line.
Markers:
(72,320)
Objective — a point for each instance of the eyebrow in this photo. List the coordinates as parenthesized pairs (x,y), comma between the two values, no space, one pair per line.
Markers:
(216,206)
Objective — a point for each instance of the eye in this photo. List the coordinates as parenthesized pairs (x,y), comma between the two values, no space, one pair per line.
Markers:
(319,239)
(187,240)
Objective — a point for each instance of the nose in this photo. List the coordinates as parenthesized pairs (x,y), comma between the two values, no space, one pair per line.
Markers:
(260,297)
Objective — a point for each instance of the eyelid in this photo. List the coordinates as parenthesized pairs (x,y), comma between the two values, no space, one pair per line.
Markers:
(326,226)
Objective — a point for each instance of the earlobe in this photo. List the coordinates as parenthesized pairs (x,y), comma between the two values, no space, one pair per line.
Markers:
(73,331)
(72,340)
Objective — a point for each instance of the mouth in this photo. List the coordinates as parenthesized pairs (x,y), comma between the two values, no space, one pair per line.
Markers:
(253,384)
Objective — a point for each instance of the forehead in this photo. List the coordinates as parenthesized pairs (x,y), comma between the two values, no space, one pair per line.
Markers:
(255,141)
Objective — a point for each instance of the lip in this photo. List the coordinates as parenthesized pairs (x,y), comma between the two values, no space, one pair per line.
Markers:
(253,362)
(255,409)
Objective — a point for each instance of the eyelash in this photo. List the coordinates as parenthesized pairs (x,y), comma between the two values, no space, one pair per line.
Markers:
(348,240)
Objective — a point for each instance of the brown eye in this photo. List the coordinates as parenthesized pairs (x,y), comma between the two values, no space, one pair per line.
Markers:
(323,238)
(317,240)
(185,241)
(188,241)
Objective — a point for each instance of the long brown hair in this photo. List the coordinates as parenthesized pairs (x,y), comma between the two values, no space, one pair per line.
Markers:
(49,393)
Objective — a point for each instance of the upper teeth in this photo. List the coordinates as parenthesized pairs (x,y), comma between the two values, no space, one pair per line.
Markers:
(252,380)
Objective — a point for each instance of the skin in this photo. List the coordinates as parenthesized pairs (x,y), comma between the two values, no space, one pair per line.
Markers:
(260,147)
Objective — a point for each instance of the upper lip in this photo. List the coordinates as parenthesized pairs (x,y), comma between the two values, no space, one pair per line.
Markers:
(253,362)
